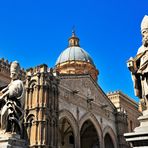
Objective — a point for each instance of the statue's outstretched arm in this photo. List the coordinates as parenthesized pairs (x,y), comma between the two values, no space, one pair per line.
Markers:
(5,94)
(4,90)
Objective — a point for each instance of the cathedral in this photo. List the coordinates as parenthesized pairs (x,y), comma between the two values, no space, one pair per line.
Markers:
(64,106)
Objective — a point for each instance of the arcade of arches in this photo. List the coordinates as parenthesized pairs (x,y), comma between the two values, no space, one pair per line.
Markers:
(86,137)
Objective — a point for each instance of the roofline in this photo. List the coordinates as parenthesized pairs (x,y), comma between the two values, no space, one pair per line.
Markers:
(124,96)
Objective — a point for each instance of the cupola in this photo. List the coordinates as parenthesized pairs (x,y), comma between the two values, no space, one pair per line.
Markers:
(75,60)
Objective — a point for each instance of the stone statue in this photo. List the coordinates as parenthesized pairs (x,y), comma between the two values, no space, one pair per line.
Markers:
(139,65)
(11,102)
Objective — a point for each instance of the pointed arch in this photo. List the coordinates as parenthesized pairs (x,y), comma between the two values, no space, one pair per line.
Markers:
(30,95)
(29,126)
(91,117)
(65,114)
(32,83)
(108,130)
(69,116)
(30,118)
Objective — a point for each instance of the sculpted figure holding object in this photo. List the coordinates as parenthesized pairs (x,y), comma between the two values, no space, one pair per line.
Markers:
(11,102)
(139,65)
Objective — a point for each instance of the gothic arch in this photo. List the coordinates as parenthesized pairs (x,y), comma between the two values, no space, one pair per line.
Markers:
(92,118)
(29,126)
(30,118)
(65,114)
(108,130)
(30,93)
(32,83)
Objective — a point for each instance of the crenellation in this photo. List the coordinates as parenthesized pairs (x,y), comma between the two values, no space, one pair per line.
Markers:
(4,66)
(38,69)
(5,71)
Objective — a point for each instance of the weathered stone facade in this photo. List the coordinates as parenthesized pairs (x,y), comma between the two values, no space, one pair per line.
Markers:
(4,72)
(41,108)
(125,104)
(82,102)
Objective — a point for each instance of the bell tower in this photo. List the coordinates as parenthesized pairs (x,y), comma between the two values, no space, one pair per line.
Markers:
(41,108)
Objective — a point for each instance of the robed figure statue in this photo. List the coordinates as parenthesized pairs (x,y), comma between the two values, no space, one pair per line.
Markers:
(11,102)
(139,65)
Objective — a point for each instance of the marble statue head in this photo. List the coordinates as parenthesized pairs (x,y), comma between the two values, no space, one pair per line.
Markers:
(14,70)
(144,30)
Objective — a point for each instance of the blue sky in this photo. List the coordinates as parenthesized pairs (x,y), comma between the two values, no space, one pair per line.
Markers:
(35,32)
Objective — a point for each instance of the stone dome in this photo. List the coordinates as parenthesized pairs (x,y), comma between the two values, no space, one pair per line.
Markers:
(74,53)
(75,60)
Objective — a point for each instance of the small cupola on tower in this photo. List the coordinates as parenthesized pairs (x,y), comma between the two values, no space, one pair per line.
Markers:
(75,60)
(74,40)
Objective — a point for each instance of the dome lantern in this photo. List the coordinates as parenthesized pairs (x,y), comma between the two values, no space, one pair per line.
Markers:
(74,41)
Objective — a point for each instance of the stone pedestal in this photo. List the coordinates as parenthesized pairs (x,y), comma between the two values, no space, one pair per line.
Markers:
(139,138)
(11,141)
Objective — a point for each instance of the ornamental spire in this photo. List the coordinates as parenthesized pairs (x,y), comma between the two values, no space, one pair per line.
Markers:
(74,40)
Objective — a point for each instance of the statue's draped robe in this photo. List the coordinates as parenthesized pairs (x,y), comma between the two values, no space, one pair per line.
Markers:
(14,100)
(140,79)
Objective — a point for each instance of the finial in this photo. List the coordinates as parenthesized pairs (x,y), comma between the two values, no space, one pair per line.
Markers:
(73,31)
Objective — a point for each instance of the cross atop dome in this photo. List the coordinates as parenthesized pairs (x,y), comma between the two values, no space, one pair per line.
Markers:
(73,31)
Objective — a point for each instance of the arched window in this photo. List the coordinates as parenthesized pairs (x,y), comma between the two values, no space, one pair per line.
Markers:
(30,120)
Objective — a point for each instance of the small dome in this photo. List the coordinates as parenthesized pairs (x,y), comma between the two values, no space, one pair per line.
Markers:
(74,53)
(75,60)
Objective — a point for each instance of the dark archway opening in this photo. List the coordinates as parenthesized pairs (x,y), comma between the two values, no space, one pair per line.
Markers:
(89,137)
(66,135)
(108,141)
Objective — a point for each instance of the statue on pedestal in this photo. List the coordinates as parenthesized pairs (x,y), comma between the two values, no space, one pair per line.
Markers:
(11,102)
(139,65)
(139,71)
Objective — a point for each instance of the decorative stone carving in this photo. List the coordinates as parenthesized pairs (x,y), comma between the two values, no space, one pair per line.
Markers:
(41,107)
(12,101)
